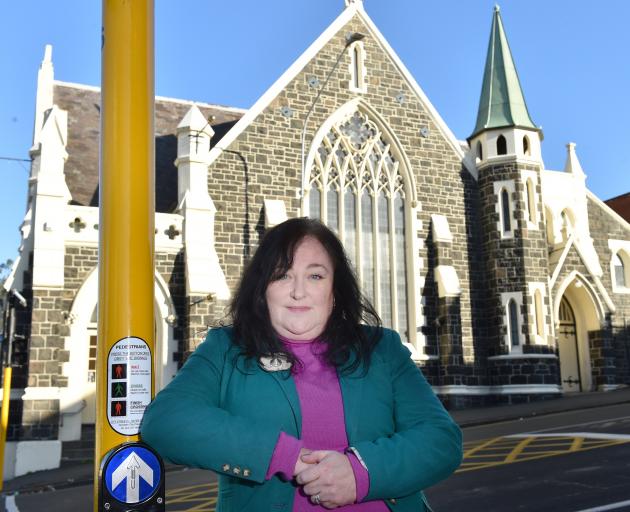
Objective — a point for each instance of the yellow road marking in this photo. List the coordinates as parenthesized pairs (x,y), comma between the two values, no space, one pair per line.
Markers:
(468,453)
(499,450)
(518,449)
(477,455)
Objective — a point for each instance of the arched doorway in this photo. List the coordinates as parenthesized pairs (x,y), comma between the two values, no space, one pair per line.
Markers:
(578,311)
(568,349)
(80,369)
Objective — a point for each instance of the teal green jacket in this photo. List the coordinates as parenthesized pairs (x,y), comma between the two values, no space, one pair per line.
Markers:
(223,412)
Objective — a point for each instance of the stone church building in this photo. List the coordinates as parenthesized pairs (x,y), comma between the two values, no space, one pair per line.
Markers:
(508,281)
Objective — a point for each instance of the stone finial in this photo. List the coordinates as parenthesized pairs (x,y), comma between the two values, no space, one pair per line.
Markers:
(193,136)
(44,98)
(195,121)
(350,2)
(572,164)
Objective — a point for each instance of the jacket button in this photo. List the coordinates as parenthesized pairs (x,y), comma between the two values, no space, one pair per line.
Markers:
(226,467)
(236,470)
(246,472)
(392,501)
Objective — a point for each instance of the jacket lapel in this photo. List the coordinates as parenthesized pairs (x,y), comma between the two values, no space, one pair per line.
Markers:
(283,379)
(352,394)
(287,384)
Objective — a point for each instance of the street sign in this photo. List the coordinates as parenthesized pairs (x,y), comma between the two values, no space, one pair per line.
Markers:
(129,368)
(132,474)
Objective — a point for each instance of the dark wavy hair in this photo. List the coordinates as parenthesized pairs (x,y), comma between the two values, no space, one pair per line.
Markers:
(343,334)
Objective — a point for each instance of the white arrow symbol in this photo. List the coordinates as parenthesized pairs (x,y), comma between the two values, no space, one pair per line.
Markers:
(132,468)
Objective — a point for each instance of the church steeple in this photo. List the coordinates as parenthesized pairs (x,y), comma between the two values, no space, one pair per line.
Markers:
(502,103)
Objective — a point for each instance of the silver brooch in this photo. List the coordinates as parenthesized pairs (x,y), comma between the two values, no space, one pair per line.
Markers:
(274,363)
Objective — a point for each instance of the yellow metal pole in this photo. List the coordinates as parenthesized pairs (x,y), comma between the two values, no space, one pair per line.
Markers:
(127,205)
(6,396)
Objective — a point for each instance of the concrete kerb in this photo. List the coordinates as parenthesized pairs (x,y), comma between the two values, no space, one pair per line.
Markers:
(496,414)
(82,474)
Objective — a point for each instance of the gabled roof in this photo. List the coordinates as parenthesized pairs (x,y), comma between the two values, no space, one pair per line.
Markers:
(352,9)
(621,205)
(502,103)
(81,169)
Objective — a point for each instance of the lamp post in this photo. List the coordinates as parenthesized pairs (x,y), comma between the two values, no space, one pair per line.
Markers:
(351,38)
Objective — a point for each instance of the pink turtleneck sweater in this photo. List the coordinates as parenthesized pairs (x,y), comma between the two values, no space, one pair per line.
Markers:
(323,425)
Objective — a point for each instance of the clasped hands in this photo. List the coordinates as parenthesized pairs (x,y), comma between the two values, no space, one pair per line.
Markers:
(327,475)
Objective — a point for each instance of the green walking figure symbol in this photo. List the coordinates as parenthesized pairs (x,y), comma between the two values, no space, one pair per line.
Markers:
(119,390)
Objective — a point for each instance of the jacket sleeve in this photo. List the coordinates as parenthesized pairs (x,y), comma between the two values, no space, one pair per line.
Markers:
(186,425)
(426,446)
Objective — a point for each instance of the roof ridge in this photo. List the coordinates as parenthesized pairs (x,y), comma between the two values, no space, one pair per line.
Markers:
(95,88)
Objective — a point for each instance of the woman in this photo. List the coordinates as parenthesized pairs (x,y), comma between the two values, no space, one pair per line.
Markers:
(305,402)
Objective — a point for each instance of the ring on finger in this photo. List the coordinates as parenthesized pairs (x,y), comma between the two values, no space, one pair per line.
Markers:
(316,499)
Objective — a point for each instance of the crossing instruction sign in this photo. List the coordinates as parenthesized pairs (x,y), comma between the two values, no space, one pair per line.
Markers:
(128,384)
(133,474)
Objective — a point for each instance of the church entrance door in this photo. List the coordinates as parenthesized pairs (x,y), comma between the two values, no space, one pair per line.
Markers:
(568,348)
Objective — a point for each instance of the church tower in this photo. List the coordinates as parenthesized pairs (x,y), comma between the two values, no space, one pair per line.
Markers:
(506,144)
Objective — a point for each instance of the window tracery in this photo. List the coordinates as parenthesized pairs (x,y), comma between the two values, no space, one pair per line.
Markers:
(355,187)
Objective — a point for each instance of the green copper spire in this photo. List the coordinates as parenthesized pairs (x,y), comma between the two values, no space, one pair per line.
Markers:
(502,103)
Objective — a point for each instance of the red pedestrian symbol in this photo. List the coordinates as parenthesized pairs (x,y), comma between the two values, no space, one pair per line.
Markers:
(119,371)
(118,408)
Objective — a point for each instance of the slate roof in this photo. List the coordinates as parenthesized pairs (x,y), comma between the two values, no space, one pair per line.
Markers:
(621,205)
(81,169)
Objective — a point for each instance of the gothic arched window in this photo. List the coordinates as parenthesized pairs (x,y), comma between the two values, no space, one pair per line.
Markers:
(355,187)
(513,326)
(538,310)
(619,271)
(501,145)
(505,211)
(531,203)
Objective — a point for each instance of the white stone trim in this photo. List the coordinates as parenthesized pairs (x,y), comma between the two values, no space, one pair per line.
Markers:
(275,212)
(447,280)
(440,229)
(89,236)
(509,186)
(609,387)
(595,274)
(506,297)
(42,393)
(575,275)
(532,313)
(24,457)
(416,281)
(523,356)
(509,389)
(563,257)
(532,177)
(622,249)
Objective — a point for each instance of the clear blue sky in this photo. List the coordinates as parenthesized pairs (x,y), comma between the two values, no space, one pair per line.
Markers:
(571,55)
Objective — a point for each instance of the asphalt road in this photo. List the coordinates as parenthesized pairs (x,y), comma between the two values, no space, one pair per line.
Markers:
(576,461)
(568,462)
